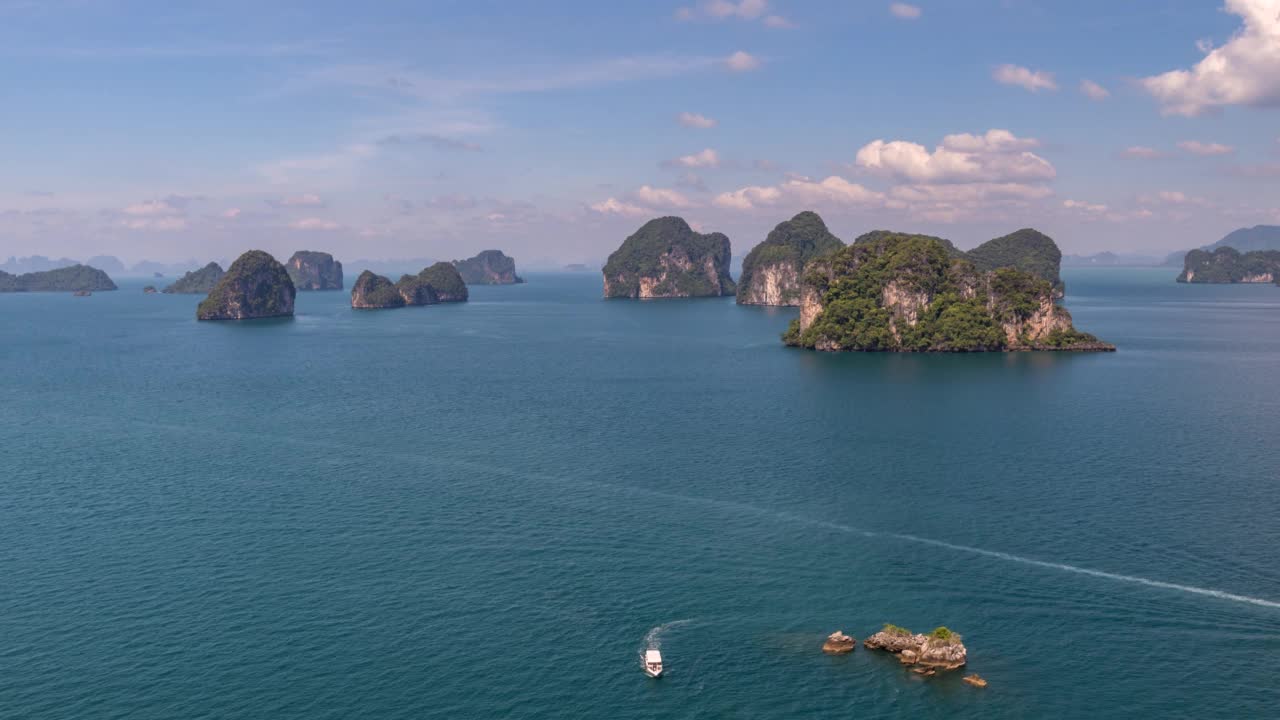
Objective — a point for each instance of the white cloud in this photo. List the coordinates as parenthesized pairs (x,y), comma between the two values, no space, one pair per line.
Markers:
(303,200)
(661,197)
(155,223)
(707,158)
(742,62)
(904,11)
(1093,90)
(1244,71)
(1085,207)
(696,120)
(729,10)
(833,191)
(1033,80)
(169,213)
(314,224)
(613,206)
(231,213)
(997,156)
(1195,147)
(1141,152)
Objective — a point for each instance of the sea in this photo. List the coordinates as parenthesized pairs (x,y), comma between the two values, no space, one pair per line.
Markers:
(490,509)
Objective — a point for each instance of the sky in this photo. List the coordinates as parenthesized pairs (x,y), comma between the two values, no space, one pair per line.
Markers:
(553,129)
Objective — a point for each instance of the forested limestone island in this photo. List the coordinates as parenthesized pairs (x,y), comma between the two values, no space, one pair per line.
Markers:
(914,293)
(771,271)
(490,267)
(1228,265)
(195,282)
(1027,250)
(255,286)
(312,270)
(76,278)
(439,283)
(665,258)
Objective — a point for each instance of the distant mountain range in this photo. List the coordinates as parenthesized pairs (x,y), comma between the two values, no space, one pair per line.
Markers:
(107,263)
(1258,237)
(1110,259)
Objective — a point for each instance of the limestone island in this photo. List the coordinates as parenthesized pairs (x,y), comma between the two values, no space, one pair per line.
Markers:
(312,270)
(771,271)
(255,286)
(490,267)
(665,258)
(197,282)
(914,293)
(939,650)
(1228,265)
(837,643)
(439,283)
(76,278)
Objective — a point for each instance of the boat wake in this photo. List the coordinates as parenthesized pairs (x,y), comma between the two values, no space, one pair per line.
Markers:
(653,638)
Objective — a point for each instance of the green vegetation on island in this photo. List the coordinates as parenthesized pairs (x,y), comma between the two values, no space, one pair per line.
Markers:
(75,278)
(489,267)
(439,283)
(771,271)
(910,293)
(255,286)
(665,258)
(1027,250)
(200,281)
(1228,265)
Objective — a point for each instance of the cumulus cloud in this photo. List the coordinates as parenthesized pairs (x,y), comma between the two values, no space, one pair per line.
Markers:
(904,11)
(1244,71)
(168,213)
(1195,147)
(696,120)
(614,206)
(707,158)
(833,191)
(1141,152)
(997,156)
(742,62)
(661,197)
(1033,80)
(312,223)
(1093,90)
(779,22)
(231,213)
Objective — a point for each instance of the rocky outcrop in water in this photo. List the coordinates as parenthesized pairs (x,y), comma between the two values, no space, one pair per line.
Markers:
(912,293)
(150,290)
(197,282)
(312,270)
(665,258)
(837,643)
(255,286)
(439,283)
(771,271)
(1228,265)
(490,267)
(940,649)
(75,278)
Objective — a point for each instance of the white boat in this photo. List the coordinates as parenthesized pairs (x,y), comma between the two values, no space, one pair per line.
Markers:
(652,663)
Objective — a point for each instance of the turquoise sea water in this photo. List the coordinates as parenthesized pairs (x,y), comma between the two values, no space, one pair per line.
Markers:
(482,510)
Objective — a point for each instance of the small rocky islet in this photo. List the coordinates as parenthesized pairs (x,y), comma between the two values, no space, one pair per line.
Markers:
(439,283)
(197,282)
(73,279)
(925,654)
(255,286)
(314,270)
(665,258)
(489,267)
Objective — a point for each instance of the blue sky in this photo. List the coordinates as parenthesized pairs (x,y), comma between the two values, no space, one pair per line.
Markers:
(554,129)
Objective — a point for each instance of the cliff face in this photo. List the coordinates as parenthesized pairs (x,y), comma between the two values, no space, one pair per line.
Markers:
(255,286)
(311,270)
(200,281)
(490,267)
(439,283)
(75,278)
(1228,265)
(910,293)
(665,258)
(771,271)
